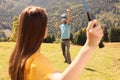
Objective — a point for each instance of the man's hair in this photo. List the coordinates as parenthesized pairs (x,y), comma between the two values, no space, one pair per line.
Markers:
(64,20)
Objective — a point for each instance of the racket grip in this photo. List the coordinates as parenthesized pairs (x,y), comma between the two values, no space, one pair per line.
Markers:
(101,45)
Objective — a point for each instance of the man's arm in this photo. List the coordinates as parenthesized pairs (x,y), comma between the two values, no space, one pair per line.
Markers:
(56,24)
(69,17)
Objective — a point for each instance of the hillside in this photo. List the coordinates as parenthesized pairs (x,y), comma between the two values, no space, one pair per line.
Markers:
(101,9)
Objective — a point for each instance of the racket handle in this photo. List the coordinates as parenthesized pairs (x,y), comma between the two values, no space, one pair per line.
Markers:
(101,45)
(89,17)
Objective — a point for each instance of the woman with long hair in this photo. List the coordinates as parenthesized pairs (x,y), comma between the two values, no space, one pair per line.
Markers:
(27,61)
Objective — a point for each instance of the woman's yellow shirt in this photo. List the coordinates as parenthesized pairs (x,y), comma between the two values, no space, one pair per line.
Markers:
(38,67)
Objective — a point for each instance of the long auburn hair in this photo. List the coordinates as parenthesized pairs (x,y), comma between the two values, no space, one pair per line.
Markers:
(31,32)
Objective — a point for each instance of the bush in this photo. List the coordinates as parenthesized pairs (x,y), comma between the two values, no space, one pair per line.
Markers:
(71,38)
(49,39)
(114,34)
(3,39)
(57,41)
(80,37)
(105,37)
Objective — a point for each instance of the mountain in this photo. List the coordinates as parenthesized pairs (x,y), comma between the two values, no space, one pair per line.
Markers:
(99,8)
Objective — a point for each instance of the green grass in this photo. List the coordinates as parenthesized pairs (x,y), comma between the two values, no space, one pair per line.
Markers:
(104,64)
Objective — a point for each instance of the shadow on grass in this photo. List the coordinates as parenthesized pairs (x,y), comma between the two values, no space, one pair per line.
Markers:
(93,70)
(90,69)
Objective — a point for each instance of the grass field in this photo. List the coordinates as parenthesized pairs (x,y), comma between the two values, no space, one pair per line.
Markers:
(104,64)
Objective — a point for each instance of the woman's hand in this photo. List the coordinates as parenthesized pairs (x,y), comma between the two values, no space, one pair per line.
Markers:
(94,34)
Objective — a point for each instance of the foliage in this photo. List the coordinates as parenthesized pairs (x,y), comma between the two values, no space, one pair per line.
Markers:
(108,14)
(105,37)
(109,19)
(80,37)
(49,39)
(114,34)
(3,39)
(71,37)
(14,29)
(55,8)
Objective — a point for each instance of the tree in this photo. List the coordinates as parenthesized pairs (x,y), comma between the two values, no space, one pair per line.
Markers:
(71,38)
(105,37)
(114,34)
(80,37)
(14,29)
(49,39)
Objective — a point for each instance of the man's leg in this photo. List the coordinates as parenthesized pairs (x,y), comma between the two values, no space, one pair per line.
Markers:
(63,50)
(68,52)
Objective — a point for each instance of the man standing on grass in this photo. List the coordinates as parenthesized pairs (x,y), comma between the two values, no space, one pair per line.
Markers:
(65,36)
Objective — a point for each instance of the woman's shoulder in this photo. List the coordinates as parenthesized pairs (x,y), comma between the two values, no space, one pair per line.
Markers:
(40,66)
(38,59)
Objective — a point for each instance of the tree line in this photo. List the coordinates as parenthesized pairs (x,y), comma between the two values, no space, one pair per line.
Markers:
(79,38)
